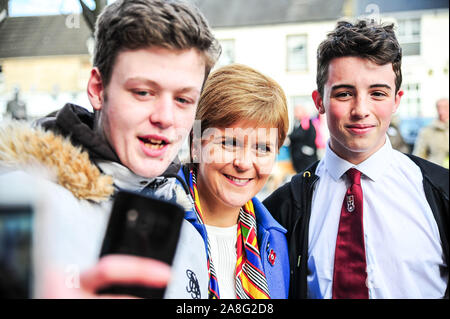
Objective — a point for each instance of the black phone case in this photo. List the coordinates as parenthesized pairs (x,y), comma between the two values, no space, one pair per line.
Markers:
(16,262)
(142,226)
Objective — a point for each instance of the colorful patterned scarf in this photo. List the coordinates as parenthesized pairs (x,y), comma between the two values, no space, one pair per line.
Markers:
(251,281)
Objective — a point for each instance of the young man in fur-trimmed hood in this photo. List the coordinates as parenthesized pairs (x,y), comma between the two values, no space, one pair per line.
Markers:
(147,78)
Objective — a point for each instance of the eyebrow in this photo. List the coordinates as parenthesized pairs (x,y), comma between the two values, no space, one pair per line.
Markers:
(236,139)
(380,85)
(348,86)
(345,86)
(155,84)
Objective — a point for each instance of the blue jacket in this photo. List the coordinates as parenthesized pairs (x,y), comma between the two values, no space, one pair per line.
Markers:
(272,243)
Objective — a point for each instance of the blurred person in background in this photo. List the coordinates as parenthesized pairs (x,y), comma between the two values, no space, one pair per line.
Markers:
(395,136)
(16,108)
(433,141)
(322,134)
(302,140)
(244,121)
(151,60)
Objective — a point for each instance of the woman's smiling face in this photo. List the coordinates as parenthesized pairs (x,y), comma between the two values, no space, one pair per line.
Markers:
(235,163)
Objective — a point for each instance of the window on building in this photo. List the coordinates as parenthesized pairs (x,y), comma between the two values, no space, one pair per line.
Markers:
(411,101)
(296,53)
(408,33)
(228,53)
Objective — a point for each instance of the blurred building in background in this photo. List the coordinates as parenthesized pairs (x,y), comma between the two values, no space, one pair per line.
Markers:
(49,57)
(280,38)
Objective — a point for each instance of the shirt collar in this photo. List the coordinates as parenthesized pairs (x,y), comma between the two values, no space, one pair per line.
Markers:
(123,177)
(373,167)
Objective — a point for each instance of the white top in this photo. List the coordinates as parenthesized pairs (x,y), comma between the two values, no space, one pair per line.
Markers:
(403,248)
(222,242)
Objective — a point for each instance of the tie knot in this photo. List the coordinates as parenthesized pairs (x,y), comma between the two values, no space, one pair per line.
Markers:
(354,176)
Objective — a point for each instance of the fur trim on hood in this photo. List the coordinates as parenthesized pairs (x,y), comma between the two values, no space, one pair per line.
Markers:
(23,147)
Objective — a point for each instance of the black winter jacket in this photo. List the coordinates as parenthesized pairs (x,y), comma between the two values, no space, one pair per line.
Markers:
(290,205)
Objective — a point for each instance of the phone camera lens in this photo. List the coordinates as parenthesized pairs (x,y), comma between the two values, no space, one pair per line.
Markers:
(132,215)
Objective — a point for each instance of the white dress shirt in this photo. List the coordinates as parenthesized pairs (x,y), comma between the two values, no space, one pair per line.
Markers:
(403,248)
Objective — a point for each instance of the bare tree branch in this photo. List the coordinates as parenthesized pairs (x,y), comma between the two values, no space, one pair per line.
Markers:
(91,15)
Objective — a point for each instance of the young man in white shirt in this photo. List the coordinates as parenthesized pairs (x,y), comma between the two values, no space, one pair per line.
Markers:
(399,246)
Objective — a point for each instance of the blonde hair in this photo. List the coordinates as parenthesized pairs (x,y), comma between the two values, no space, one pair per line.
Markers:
(237,92)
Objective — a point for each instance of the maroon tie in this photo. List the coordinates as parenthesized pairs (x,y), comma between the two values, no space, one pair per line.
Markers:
(349,278)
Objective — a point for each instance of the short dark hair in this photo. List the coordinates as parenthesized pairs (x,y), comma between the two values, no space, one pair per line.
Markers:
(366,39)
(136,24)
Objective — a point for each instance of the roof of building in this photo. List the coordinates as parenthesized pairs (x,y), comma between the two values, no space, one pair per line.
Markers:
(43,36)
(387,6)
(68,34)
(233,13)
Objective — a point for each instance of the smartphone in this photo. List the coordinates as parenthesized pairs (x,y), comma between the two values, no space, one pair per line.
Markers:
(16,233)
(142,226)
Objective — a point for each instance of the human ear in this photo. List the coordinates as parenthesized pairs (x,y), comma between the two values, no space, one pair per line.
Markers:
(398,97)
(95,89)
(318,101)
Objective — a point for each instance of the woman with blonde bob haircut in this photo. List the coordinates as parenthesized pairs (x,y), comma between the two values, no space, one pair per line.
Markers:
(244,121)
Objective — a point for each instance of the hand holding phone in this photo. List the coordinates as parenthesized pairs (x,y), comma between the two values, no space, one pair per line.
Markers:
(142,226)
